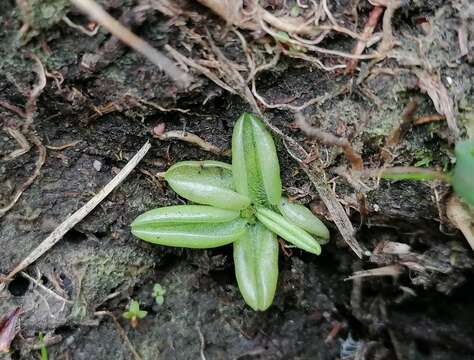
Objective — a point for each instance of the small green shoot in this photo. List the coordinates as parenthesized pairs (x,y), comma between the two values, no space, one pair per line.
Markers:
(43,350)
(158,294)
(134,314)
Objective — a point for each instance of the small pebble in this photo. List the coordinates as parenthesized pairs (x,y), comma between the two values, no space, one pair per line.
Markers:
(97,165)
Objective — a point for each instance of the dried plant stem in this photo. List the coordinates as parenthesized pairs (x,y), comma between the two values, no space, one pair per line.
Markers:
(39,164)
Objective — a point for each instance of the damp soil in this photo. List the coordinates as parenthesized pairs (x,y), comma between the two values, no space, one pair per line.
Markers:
(101,111)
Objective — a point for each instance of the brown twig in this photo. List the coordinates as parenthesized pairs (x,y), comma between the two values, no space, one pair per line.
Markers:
(192,139)
(64,146)
(75,218)
(13,108)
(372,22)
(39,164)
(429,119)
(22,143)
(331,140)
(35,92)
(398,131)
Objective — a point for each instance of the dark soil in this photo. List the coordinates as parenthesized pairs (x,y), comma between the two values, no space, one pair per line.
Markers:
(99,265)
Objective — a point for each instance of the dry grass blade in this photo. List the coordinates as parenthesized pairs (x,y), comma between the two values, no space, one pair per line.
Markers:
(97,13)
(192,139)
(80,214)
(389,270)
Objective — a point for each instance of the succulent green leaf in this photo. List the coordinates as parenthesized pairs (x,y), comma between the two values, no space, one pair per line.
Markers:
(185,214)
(255,165)
(206,182)
(305,219)
(463,176)
(190,226)
(288,231)
(256,266)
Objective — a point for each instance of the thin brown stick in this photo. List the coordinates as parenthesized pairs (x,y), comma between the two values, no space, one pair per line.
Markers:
(64,146)
(80,214)
(13,108)
(96,12)
(331,140)
(429,119)
(22,143)
(39,164)
(121,331)
(192,139)
(398,131)
(35,92)
(372,22)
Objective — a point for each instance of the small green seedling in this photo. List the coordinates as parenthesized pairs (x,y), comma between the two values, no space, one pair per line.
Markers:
(134,314)
(158,294)
(240,204)
(43,350)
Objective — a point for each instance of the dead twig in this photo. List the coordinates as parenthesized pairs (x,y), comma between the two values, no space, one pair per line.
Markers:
(429,119)
(39,164)
(75,218)
(390,270)
(35,92)
(372,22)
(201,341)
(13,108)
(96,12)
(81,28)
(192,139)
(121,331)
(62,147)
(161,108)
(331,140)
(398,131)
(22,143)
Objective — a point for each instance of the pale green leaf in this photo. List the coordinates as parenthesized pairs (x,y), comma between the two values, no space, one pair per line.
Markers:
(206,182)
(256,266)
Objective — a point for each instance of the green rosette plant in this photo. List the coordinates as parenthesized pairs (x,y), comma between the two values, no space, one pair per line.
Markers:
(240,204)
